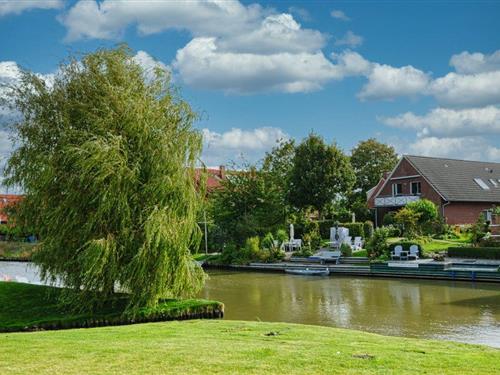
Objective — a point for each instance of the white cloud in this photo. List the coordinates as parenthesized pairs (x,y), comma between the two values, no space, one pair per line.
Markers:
(387,82)
(19,6)
(220,148)
(149,64)
(450,122)
(349,63)
(202,64)
(472,148)
(472,90)
(471,63)
(276,33)
(340,15)
(108,19)
(350,39)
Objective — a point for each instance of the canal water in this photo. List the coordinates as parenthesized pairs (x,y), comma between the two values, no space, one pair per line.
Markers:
(460,311)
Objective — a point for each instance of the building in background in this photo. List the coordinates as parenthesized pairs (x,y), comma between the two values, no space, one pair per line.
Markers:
(5,201)
(461,189)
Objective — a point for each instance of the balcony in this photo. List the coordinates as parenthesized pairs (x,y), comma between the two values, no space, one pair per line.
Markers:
(399,200)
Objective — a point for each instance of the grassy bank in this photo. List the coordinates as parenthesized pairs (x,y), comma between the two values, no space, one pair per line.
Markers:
(11,250)
(229,347)
(30,307)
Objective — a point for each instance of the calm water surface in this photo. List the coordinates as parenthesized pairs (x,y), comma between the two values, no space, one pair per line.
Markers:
(459,311)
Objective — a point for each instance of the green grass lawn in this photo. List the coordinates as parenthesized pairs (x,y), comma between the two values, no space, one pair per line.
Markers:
(29,306)
(16,250)
(230,347)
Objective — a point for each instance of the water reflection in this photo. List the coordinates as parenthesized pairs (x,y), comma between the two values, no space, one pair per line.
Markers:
(459,311)
(413,308)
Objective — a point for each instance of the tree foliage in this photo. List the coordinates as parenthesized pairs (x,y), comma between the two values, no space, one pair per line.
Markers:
(370,159)
(106,161)
(320,172)
(249,204)
(427,209)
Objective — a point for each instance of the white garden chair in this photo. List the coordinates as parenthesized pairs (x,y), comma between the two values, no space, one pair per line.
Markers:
(398,249)
(413,252)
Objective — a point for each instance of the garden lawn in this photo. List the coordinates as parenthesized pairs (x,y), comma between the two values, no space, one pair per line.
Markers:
(27,306)
(230,347)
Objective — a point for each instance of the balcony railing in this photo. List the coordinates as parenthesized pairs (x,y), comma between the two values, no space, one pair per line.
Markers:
(399,200)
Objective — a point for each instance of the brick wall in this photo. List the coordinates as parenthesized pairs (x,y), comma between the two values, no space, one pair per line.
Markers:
(406,169)
(464,212)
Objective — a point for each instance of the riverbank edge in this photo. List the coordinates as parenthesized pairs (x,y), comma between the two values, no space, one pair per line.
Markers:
(361,271)
(47,314)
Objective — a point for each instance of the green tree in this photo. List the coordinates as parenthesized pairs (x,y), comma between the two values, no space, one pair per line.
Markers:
(428,210)
(408,219)
(278,164)
(320,173)
(249,204)
(370,159)
(106,161)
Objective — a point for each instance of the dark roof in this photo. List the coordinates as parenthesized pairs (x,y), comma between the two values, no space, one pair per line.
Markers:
(454,179)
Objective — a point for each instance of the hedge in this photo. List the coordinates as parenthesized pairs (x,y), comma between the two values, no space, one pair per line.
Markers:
(474,252)
(364,230)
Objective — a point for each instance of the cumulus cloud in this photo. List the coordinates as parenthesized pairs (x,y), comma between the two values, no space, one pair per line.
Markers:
(349,63)
(349,39)
(472,90)
(219,148)
(149,64)
(449,122)
(276,33)
(472,148)
(108,19)
(19,6)
(340,15)
(388,82)
(471,63)
(203,64)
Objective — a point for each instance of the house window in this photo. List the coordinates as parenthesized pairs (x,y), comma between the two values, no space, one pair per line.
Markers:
(416,188)
(397,189)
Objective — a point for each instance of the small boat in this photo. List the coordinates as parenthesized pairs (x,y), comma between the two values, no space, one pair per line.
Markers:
(308,271)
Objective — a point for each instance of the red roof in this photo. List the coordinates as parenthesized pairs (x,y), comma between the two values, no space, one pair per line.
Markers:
(7,200)
(215,176)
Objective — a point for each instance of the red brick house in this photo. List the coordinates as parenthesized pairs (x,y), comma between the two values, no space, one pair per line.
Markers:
(5,201)
(461,189)
(215,176)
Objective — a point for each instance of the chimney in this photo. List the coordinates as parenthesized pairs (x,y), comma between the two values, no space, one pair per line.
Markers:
(222,172)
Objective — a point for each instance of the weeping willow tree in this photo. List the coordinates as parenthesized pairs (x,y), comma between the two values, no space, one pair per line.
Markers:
(106,158)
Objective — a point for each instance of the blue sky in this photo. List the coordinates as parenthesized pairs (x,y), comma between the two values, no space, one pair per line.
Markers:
(423,76)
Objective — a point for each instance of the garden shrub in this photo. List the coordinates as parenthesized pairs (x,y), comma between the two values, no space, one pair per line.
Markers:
(367,229)
(346,250)
(489,242)
(377,245)
(479,230)
(394,230)
(427,210)
(474,252)
(388,219)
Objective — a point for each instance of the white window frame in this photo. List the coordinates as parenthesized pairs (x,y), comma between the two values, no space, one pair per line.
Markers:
(418,183)
(394,189)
